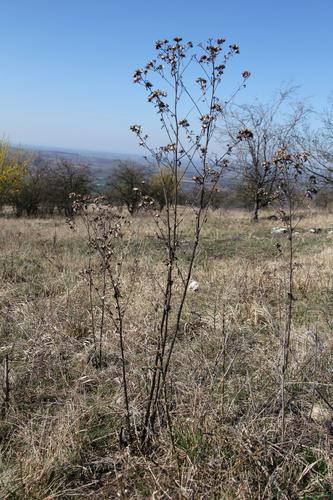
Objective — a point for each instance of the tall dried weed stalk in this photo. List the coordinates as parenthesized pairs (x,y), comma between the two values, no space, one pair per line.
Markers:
(182,84)
(105,230)
(292,189)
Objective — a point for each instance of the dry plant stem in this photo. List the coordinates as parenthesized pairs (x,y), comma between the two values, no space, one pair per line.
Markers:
(198,228)
(171,243)
(102,229)
(91,305)
(163,358)
(223,364)
(170,427)
(6,386)
(119,323)
(157,369)
(101,330)
(289,167)
(123,365)
(289,314)
(315,369)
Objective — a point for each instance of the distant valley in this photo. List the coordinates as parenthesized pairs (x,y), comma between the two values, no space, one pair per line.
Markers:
(103,163)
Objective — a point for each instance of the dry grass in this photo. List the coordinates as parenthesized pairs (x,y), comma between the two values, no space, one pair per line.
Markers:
(59,434)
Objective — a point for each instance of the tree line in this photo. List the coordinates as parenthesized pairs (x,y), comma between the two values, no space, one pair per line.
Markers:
(33,185)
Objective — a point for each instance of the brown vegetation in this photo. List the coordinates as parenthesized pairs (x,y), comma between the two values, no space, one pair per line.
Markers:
(60,425)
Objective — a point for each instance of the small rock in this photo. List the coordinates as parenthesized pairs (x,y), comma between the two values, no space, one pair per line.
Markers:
(279,230)
(193,286)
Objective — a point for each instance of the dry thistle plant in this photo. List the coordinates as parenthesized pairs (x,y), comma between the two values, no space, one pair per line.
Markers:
(104,230)
(183,86)
(290,197)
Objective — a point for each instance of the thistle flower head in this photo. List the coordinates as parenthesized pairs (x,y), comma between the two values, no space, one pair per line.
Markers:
(245,133)
(234,48)
(136,129)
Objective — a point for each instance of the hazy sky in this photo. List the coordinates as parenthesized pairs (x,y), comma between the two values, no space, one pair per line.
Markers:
(66,65)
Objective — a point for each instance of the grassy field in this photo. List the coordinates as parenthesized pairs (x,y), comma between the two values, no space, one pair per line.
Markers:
(59,429)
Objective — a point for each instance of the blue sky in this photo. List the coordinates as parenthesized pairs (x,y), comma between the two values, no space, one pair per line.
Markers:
(66,65)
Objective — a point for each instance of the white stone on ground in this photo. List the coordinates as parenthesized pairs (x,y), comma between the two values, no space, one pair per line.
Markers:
(193,286)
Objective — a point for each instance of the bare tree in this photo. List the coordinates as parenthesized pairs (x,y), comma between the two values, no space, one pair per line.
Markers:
(319,144)
(126,185)
(270,129)
(66,178)
(34,190)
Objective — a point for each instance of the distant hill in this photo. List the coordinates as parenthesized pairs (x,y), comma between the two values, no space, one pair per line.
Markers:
(103,163)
